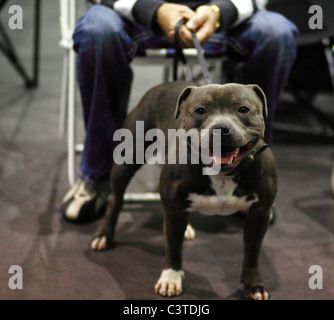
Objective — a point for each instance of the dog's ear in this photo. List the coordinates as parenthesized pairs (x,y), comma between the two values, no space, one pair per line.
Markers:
(262,96)
(182,97)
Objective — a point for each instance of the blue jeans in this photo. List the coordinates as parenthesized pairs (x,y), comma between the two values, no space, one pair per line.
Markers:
(106,44)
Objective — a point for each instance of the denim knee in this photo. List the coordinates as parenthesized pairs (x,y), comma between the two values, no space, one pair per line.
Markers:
(100,25)
(273,30)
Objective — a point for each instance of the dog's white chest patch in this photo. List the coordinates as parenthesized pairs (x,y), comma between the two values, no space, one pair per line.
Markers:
(223,202)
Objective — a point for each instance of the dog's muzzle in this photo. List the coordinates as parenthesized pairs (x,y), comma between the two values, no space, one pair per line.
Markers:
(230,157)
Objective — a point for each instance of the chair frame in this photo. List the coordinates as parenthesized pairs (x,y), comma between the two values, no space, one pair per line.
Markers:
(68,17)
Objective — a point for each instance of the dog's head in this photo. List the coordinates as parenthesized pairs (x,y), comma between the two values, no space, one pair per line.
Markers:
(232,114)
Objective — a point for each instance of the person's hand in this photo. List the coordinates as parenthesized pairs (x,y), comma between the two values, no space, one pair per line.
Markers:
(203,23)
(168,15)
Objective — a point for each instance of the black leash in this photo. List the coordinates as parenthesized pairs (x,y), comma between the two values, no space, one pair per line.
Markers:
(201,59)
(179,56)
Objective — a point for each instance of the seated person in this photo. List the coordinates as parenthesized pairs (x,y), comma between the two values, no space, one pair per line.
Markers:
(110,34)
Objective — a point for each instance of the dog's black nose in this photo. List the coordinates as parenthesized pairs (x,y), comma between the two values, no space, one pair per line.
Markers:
(222,129)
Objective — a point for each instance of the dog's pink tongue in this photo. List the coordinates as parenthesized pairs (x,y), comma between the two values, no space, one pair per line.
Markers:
(226,155)
(222,160)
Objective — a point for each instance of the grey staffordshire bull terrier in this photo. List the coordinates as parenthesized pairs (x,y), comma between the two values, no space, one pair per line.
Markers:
(247,180)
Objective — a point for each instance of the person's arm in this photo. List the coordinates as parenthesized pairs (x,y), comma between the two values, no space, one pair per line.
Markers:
(234,12)
(159,15)
(139,11)
(214,16)
(219,15)
(228,13)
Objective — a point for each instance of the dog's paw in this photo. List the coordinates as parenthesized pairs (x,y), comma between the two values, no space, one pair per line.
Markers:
(256,292)
(170,283)
(102,238)
(190,233)
(100,243)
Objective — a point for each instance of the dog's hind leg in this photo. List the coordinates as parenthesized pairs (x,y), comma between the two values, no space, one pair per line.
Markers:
(120,178)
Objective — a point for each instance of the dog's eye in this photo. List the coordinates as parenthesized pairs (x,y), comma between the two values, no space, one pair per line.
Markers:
(200,111)
(243,110)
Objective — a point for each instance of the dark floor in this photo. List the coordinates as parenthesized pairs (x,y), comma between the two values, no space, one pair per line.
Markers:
(55,256)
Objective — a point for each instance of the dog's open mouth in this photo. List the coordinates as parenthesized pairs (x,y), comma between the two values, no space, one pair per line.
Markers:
(230,157)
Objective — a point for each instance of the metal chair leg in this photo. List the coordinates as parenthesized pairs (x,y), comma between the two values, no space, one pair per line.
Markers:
(71,143)
(71,119)
(147,197)
(329,54)
(166,73)
(63,96)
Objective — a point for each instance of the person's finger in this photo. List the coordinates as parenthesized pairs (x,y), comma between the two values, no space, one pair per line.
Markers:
(203,23)
(196,21)
(203,34)
(188,13)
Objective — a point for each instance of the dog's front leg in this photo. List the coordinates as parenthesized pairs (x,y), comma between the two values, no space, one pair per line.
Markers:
(255,227)
(170,281)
